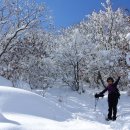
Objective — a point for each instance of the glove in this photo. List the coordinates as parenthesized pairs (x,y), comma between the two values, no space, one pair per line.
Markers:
(96,95)
(99,95)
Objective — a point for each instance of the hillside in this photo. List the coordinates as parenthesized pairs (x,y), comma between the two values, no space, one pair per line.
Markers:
(60,109)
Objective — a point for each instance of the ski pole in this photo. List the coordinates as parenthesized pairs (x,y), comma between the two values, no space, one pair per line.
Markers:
(96,101)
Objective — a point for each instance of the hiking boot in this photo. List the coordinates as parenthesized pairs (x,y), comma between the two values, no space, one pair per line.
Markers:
(114,118)
(108,119)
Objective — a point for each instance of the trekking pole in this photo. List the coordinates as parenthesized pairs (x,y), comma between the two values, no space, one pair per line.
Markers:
(96,101)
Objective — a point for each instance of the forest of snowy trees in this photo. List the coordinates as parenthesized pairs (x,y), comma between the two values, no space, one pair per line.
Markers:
(86,53)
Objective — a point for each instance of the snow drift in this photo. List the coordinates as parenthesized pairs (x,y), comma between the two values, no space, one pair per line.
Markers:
(25,102)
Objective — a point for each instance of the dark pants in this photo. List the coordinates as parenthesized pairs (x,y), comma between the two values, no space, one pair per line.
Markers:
(112,104)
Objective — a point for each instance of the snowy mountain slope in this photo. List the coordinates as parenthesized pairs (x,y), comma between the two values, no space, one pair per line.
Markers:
(60,109)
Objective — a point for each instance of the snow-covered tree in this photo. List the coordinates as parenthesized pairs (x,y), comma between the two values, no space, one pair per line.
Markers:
(88,52)
(30,60)
(23,43)
(107,30)
(99,45)
(71,55)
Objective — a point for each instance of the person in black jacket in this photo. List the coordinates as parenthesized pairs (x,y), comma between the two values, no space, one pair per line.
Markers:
(113,96)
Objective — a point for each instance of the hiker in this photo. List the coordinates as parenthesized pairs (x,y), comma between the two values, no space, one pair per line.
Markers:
(113,96)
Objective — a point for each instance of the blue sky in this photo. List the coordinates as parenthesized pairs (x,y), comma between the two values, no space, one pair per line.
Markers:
(69,12)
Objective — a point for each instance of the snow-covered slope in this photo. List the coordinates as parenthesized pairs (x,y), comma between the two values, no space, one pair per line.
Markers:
(21,109)
(5,82)
(24,102)
(60,109)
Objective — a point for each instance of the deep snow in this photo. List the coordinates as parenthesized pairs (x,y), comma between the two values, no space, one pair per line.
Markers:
(60,109)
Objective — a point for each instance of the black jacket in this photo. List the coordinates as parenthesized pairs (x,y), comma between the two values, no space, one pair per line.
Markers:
(112,90)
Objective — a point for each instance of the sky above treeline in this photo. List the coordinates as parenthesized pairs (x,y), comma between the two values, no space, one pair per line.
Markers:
(69,12)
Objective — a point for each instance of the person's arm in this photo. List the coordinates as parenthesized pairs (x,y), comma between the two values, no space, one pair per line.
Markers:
(101,94)
(117,81)
(103,91)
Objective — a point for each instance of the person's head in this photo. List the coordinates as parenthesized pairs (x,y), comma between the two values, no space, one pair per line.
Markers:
(110,81)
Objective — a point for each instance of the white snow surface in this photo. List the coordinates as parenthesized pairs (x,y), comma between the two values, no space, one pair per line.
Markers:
(128,36)
(60,109)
